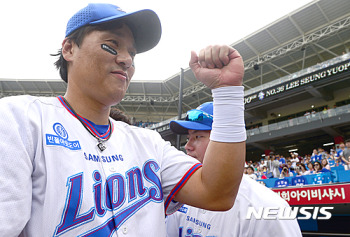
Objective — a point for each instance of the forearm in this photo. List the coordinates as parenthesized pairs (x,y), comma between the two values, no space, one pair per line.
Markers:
(216,184)
(224,158)
(224,165)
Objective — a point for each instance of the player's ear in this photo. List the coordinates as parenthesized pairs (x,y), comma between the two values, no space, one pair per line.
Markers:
(67,49)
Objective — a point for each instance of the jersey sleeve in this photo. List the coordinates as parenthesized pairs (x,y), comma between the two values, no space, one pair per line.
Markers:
(17,157)
(177,168)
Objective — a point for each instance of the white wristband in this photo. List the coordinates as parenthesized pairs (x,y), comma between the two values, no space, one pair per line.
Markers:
(228,118)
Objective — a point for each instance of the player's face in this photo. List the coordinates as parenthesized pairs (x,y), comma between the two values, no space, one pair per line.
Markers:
(100,75)
(197,143)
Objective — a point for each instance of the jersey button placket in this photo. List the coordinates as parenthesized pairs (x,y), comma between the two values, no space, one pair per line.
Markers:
(125,230)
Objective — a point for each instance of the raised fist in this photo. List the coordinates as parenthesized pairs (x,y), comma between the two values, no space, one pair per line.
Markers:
(218,66)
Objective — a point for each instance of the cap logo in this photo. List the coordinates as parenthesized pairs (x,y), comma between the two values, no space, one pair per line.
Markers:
(121,10)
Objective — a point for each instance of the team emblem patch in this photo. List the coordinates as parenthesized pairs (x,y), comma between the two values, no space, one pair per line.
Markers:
(183,209)
(61,138)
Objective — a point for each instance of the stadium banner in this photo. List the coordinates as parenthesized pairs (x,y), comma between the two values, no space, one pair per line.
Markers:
(315,194)
(298,82)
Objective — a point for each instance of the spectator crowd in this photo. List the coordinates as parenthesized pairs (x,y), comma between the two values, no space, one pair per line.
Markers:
(319,161)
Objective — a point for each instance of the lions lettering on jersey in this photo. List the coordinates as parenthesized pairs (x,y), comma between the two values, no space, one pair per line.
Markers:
(110,196)
(61,139)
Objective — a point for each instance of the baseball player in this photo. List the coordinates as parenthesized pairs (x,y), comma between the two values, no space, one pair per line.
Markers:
(195,222)
(119,115)
(67,169)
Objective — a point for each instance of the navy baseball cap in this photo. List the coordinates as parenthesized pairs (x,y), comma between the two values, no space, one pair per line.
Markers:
(200,118)
(144,24)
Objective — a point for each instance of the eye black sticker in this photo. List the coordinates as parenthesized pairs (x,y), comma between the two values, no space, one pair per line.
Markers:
(108,49)
(112,51)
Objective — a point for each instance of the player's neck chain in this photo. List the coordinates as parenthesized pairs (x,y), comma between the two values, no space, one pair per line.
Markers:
(100,141)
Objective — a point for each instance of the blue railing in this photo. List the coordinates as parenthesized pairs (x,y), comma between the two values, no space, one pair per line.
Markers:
(337,175)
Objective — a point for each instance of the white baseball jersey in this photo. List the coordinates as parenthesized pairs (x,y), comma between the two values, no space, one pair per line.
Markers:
(194,222)
(54,181)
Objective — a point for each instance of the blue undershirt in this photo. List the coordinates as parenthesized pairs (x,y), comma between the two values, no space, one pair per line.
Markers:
(101,129)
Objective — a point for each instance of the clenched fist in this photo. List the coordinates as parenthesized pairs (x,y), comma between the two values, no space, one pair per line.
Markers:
(218,66)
